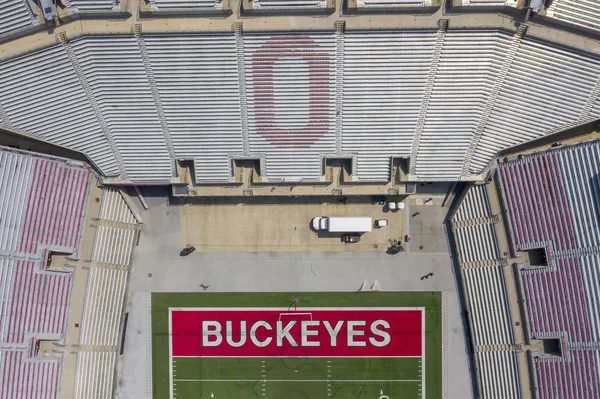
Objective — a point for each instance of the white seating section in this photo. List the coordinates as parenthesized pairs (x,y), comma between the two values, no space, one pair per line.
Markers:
(23,377)
(95,375)
(486,293)
(475,205)
(115,73)
(135,105)
(584,13)
(114,208)
(113,245)
(186,5)
(499,375)
(486,297)
(105,295)
(287,4)
(78,6)
(546,90)
(197,80)
(477,243)
(49,71)
(393,3)
(39,303)
(557,302)
(16,15)
(290,89)
(490,3)
(460,88)
(384,81)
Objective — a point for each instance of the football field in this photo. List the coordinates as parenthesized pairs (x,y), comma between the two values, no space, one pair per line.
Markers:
(331,345)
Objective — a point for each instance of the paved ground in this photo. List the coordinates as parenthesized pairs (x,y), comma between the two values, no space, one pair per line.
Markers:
(282,226)
(158,267)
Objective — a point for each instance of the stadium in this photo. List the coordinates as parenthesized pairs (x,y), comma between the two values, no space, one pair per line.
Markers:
(347,199)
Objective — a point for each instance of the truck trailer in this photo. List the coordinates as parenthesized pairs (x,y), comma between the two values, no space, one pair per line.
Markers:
(343,224)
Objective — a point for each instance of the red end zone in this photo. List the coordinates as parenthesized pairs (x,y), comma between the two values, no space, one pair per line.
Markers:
(323,332)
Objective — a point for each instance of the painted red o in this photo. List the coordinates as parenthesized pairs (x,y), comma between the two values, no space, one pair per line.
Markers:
(263,62)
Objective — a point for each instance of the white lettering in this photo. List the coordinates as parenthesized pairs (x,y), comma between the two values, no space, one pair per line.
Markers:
(229,334)
(333,332)
(353,333)
(383,334)
(284,332)
(211,329)
(256,326)
(309,333)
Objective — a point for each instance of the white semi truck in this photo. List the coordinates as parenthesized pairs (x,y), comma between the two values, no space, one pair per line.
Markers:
(343,224)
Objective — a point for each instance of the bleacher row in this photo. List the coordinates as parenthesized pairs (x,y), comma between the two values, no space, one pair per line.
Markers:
(483,279)
(575,376)
(501,379)
(220,97)
(557,302)
(106,291)
(15,15)
(474,205)
(552,200)
(43,203)
(584,13)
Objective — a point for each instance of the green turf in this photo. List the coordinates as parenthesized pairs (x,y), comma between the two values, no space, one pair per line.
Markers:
(290,378)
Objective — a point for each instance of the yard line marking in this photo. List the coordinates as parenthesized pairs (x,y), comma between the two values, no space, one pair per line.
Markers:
(264,375)
(199,380)
(329,378)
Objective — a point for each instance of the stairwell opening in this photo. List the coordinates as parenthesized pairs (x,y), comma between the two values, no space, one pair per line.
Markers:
(537,256)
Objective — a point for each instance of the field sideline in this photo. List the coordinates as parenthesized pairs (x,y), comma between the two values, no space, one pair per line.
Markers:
(297,376)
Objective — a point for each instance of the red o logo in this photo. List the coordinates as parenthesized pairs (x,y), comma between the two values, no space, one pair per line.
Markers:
(263,62)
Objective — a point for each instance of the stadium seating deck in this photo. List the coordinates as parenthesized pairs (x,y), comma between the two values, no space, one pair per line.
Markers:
(475,205)
(393,3)
(188,5)
(95,375)
(24,377)
(499,375)
(201,105)
(486,290)
(103,307)
(552,201)
(292,99)
(15,15)
(38,304)
(77,6)
(483,279)
(114,208)
(42,205)
(288,4)
(572,377)
(478,242)
(557,302)
(106,297)
(584,13)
